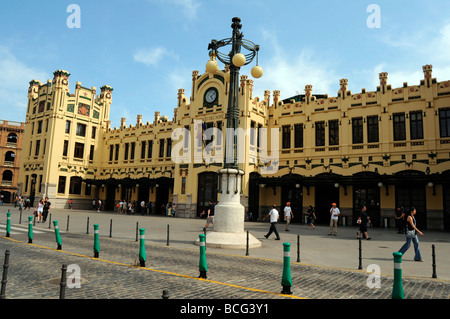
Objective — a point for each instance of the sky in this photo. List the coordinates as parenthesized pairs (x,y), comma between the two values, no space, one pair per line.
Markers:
(147,49)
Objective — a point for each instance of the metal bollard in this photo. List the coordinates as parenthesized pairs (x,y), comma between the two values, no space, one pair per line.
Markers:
(360,255)
(87,226)
(142,257)
(5,276)
(57,235)
(137,230)
(62,290)
(68,217)
(50,221)
(96,242)
(8,224)
(165,294)
(434,261)
(397,289)
(20,218)
(298,248)
(202,262)
(286,281)
(167,244)
(246,249)
(30,229)
(110,228)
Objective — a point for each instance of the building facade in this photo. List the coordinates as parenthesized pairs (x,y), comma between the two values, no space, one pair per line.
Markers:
(383,149)
(11,139)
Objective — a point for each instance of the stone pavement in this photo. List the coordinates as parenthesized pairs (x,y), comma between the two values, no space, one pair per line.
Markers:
(328,267)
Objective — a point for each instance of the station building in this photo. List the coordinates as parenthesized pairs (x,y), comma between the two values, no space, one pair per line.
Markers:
(382,148)
(11,139)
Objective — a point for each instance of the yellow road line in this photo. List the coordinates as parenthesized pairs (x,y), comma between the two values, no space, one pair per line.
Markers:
(159,271)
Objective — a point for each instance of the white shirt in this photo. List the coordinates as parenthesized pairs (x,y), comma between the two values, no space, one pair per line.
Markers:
(287,211)
(273,215)
(335,213)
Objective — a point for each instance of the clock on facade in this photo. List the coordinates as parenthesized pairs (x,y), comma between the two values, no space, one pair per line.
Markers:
(211,95)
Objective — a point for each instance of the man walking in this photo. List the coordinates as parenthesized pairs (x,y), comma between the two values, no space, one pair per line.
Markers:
(334,212)
(210,216)
(274,216)
(288,215)
(46,209)
(363,219)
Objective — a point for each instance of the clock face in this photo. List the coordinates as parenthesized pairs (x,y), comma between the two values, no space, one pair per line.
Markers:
(211,95)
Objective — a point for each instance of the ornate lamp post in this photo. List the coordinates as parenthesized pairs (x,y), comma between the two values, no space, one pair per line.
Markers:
(229,213)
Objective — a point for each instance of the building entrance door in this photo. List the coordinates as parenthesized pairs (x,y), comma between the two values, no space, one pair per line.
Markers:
(293,195)
(413,196)
(325,195)
(446,207)
(207,190)
(370,197)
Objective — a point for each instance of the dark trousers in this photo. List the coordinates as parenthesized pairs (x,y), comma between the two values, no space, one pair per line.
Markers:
(273,229)
(44,215)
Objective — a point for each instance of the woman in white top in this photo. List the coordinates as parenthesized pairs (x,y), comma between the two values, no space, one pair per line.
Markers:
(39,210)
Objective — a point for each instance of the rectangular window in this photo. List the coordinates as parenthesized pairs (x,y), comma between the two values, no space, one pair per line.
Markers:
(143,145)
(220,134)
(372,129)
(258,135)
(67,127)
(133,148)
(125,155)
(45,146)
(286,136)
(333,132)
(444,122)
(79,150)
(26,183)
(357,130)
(39,127)
(169,147)
(161,148)
(399,127)
(252,133)
(94,132)
(116,156)
(62,185)
(320,133)
(31,148)
(87,189)
(416,125)
(40,183)
(91,153)
(111,152)
(65,147)
(186,137)
(38,146)
(150,149)
(81,129)
(298,135)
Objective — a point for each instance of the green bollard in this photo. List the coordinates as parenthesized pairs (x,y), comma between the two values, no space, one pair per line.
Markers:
(30,229)
(142,247)
(96,242)
(286,281)
(58,237)
(8,224)
(202,263)
(397,290)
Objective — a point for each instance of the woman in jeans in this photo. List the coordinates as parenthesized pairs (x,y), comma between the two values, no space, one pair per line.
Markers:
(411,234)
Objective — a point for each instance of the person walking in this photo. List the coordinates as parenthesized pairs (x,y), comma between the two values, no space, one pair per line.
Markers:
(274,217)
(363,219)
(288,215)
(210,215)
(46,209)
(411,235)
(39,210)
(334,212)
(311,216)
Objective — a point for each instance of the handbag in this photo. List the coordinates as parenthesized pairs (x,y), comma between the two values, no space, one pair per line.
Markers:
(411,233)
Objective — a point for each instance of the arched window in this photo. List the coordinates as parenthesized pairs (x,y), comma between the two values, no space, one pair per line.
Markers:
(7,176)
(12,138)
(9,157)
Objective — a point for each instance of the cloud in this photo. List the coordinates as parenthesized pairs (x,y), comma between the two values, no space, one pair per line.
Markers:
(290,71)
(152,57)
(188,8)
(14,81)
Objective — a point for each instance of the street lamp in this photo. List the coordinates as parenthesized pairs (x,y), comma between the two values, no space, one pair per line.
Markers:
(229,214)
(235,60)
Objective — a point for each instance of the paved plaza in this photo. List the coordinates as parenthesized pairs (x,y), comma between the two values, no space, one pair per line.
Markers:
(327,266)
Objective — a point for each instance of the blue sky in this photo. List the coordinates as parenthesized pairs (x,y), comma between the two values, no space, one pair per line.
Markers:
(147,49)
